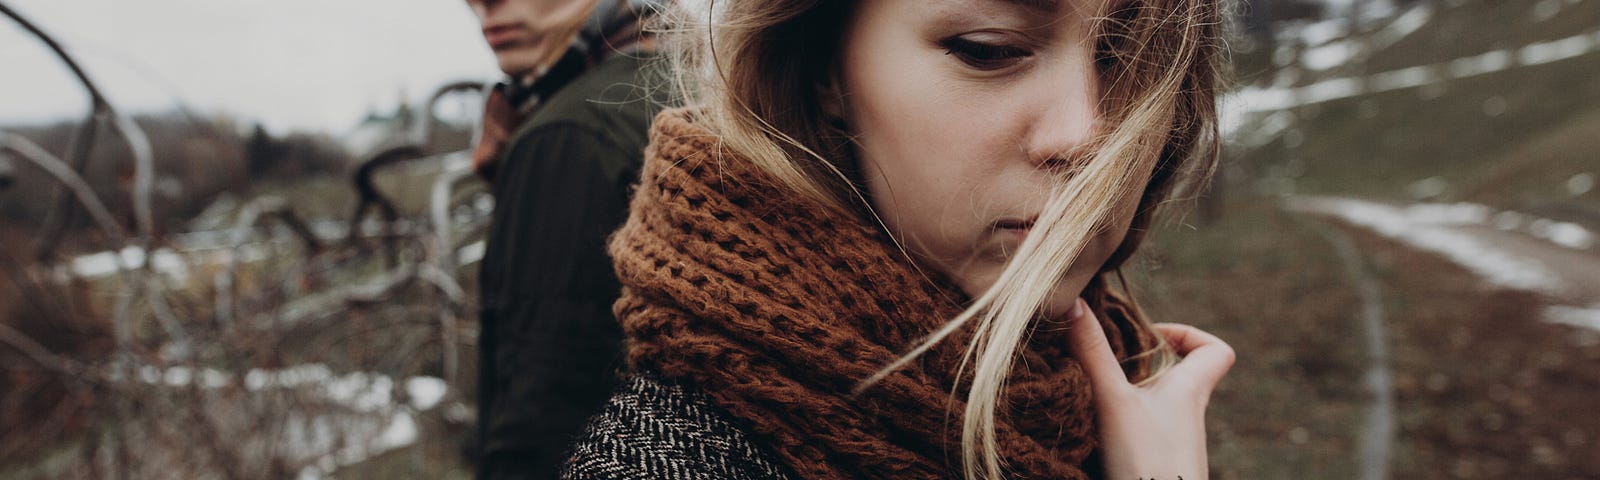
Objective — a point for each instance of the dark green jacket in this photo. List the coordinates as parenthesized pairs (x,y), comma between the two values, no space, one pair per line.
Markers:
(549,345)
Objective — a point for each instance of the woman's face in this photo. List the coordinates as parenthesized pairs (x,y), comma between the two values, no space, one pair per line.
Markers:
(960,108)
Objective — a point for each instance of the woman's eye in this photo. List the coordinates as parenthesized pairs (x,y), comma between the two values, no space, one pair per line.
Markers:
(984,56)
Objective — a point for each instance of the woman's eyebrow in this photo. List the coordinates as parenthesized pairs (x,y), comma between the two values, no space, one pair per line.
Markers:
(1044,5)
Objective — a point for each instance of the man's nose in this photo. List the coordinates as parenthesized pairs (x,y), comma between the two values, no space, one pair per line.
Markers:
(482,7)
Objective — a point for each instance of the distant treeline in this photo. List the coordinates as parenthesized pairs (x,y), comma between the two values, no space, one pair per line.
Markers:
(195,160)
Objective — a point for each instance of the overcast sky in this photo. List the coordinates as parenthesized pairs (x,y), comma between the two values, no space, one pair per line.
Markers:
(291,64)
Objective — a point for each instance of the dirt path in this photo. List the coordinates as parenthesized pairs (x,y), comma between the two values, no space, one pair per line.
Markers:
(1378,433)
(1481,381)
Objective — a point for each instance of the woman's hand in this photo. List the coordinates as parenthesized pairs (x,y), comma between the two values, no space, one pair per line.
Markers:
(1156,431)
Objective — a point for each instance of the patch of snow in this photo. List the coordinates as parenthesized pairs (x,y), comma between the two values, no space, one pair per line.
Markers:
(1324,31)
(1263,131)
(470,253)
(1278,98)
(1427,188)
(211,378)
(1283,56)
(1546,9)
(1429,229)
(1403,78)
(1329,90)
(1488,62)
(1546,52)
(150,374)
(1511,221)
(1402,26)
(326,442)
(179,377)
(399,431)
(1580,184)
(1449,214)
(1566,234)
(426,392)
(105,263)
(1583,317)
(360,391)
(1328,56)
(1260,99)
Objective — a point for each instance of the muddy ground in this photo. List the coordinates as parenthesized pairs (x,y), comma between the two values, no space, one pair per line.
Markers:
(1483,387)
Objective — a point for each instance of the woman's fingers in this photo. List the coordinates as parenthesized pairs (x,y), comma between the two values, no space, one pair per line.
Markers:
(1185,338)
(1094,351)
(1206,358)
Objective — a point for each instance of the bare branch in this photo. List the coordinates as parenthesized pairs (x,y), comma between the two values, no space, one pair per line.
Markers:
(168,320)
(68,177)
(458,167)
(91,202)
(62,215)
(371,197)
(100,108)
(423,132)
(444,282)
(94,93)
(39,354)
(249,217)
(144,171)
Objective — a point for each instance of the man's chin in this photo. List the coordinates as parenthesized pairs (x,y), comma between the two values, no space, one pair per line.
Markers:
(517,64)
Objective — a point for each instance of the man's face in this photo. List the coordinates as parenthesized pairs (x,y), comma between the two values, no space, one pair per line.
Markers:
(528,36)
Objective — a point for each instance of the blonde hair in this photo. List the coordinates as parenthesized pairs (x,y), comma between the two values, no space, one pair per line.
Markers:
(756,85)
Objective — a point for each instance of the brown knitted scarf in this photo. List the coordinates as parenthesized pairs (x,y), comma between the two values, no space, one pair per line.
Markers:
(777,307)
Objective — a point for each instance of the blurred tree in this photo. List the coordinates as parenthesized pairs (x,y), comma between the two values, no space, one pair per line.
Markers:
(195,161)
(6,173)
(1260,17)
(293,154)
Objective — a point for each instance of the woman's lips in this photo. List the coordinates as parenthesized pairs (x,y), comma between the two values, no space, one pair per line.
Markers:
(501,36)
(1014,227)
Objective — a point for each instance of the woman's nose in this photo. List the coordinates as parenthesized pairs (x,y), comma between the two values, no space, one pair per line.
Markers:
(1065,115)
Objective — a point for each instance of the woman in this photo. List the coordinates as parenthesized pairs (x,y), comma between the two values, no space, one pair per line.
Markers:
(878,245)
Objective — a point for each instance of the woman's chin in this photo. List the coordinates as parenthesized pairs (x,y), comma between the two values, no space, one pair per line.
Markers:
(1058,305)
(1058,301)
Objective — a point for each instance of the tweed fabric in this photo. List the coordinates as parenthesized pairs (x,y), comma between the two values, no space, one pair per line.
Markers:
(656,430)
(777,307)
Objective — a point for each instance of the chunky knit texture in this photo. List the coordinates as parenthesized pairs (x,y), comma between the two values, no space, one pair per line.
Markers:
(777,307)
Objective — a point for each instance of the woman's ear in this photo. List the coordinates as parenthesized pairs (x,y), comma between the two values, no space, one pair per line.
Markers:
(830,99)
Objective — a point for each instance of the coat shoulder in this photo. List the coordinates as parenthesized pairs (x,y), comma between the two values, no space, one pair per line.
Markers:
(656,429)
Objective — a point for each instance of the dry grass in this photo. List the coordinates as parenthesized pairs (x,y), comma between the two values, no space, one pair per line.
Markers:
(1275,291)
(69,413)
(1484,388)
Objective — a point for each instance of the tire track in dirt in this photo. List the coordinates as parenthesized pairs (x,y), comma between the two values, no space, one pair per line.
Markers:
(1378,431)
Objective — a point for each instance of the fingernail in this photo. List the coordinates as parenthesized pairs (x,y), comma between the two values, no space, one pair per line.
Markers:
(1078,309)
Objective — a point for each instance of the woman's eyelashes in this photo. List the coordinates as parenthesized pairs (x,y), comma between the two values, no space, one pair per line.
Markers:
(984,55)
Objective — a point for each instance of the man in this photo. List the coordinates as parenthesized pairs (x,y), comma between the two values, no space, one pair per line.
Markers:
(562,142)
